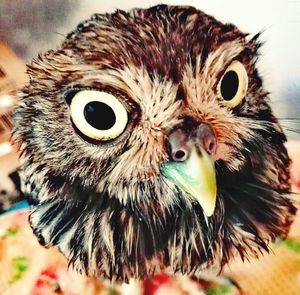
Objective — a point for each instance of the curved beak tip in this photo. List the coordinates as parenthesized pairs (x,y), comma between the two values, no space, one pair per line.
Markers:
(196,176)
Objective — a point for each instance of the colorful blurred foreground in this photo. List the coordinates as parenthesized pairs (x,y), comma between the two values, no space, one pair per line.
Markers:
(28,268)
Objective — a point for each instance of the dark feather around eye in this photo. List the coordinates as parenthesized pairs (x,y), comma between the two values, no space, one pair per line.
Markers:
(69,95)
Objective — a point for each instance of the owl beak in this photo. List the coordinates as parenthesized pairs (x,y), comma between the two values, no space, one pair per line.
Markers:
(194,172)
(196,176)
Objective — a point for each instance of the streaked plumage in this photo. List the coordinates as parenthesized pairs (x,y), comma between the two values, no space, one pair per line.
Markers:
(106,205)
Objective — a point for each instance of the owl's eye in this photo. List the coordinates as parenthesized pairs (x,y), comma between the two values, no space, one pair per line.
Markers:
(98,115)
(233,85)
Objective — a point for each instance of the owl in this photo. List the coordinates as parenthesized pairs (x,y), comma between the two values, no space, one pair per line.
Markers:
(147,144)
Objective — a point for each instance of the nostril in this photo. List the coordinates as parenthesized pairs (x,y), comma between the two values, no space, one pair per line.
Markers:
(207,138)
(180,155)
(212,146)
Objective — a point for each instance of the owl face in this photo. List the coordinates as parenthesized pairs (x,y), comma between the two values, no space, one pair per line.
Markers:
(148,144)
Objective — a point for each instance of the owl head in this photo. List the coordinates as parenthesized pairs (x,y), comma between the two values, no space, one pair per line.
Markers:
(147,144)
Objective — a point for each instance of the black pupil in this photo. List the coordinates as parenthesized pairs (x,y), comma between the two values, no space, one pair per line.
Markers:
(99,115)
(229,85)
